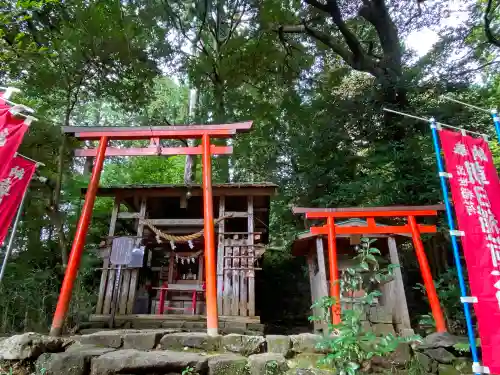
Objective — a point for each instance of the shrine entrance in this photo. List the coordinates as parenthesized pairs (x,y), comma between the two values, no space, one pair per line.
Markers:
(103,135)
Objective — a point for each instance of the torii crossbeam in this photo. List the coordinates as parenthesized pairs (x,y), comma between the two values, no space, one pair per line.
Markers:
(412,228)
(103,134)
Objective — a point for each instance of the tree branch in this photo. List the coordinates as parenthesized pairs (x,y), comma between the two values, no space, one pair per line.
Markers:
(322,37)
(318,5)
(349,37)
(487,25)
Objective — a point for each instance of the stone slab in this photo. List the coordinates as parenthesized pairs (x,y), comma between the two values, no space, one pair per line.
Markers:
(196,340)
(228,364)
(75,361)
(131,361)
(106,339)
(267,363)
(279,344)
(30,345)
(305,342)
(243,344)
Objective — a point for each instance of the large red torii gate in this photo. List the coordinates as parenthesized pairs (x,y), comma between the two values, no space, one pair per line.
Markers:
(330,229)
(103,134)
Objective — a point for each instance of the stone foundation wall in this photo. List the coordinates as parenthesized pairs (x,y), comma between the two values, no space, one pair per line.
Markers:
(170,352)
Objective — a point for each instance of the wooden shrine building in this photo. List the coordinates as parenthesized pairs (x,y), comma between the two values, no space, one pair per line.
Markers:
(164,280)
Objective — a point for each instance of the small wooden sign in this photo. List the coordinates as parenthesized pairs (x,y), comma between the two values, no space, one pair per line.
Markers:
(121,251)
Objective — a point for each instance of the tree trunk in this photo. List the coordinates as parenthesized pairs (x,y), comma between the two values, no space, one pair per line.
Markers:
(220,118)
(56,203)
(190,165)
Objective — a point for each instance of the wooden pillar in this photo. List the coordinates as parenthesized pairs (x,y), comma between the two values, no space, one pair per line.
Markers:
(105,267)
(323,284)
(320,253)
(437,313)
(79,242)
(134,272)
(313,286)
(220,254)
(251,261)
(401,305)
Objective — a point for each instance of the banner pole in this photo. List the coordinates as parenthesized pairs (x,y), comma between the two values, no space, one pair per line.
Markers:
(454,242)
(12,235)
(496,122)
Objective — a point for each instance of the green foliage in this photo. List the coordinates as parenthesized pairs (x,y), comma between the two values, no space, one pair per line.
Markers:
(349,346)
(449,294)
(189,371)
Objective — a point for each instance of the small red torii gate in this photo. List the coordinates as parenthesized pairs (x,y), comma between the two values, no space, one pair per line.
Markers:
(412,228)
(103,134)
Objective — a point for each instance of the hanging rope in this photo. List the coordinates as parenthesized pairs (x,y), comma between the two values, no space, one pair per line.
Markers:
(171,237)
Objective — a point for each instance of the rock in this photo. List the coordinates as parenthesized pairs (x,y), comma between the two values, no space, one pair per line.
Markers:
(463,364)
(440,340)
(447,370)
(72,362)
(383,329)
(228,364)
(397,359)
(106,339)
(245,345)
(131,361)
(424,361)
(380,314)
(309,371)
(305,360)
(30,345)
(440,355)
(305,342)
(279,344)
(267,363)
(401,356)
(142,341)
(196,340)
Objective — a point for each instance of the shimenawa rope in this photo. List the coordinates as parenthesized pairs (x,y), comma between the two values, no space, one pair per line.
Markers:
(171,237)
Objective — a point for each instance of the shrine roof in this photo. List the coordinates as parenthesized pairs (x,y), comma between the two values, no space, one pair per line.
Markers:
(247,188)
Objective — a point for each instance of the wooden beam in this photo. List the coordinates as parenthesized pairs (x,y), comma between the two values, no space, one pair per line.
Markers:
(367,231)
(162,222)
(235,214)
(368,211)
(167,317)
(152,151)
(129,215)
(354,214)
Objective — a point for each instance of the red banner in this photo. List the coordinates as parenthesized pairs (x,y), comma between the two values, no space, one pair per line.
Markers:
(475,188)
(12,131)
(13,184)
